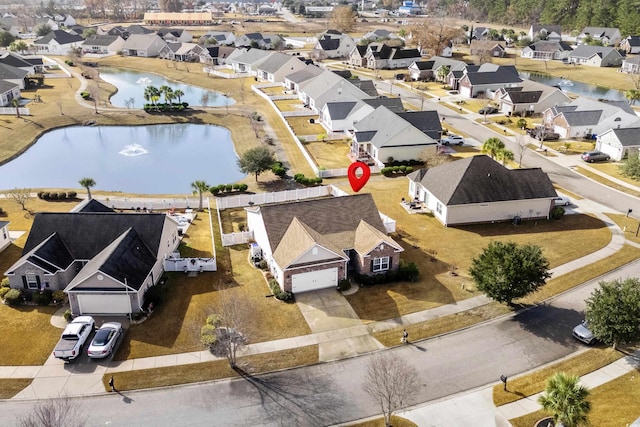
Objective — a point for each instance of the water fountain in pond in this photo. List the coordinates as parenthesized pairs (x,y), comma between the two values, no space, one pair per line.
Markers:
(144,81)
(134,150)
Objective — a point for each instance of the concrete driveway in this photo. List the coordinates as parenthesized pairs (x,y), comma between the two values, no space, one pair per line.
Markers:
(340,332)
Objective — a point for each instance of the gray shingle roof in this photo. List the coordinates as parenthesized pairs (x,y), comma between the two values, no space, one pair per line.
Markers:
(587,51)
(307,73)
(628,137)
(525,97)
(393,104)
(62,37)
(275,61)
(501,75)
(479,179)
(427,121)
(14,60)
(97,40)
(340,110)
(8,72)
(582,118)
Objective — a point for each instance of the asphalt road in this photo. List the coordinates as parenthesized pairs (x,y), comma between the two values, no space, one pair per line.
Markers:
(331,393)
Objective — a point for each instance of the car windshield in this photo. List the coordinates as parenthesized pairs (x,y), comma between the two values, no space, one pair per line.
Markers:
(102,337)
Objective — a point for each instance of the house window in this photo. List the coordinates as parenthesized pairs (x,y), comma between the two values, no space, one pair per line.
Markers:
(4,233)
(380,264)
(32,281)
(439,207)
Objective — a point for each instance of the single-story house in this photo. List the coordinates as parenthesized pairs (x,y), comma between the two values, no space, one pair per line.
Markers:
(631,45)
(379,35)
(32,65)
(327,87)
(294,80)
(435,68)
(487,79)
(530,97)
(479,33)
(357,56)
(247,60)
(58,42)
(102,45)
(584,117)
(333,44)
(224,38)
(545,32)
(278,65)
(8,92)
(259,40)
(216,55)
(341,115)
(478,189)
(606,35)
(383,134)
(596,56)
(13,75)
(631,65)
(183,52)
(144,45)
(618,143)
(5,239)
(547,50)
(105,261)
(175,35)
(487,48)
(313,244)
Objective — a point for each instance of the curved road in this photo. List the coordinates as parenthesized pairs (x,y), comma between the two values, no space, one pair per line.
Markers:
(331,393)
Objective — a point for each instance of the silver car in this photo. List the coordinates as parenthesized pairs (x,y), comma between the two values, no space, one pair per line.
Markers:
(582,333)
(105,340)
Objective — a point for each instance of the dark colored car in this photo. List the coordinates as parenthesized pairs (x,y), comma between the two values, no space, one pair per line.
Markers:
(594,156)
(488,110)
(541,133)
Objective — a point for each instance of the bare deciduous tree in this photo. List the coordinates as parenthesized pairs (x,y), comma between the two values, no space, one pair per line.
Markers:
(434,35)
(390,382)
(343,18)
(54,412)
(521,148)
(19,195)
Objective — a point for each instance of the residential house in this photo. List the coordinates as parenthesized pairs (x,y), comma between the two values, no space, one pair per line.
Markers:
(32,65)
(428,122)
(220,38)
(179,18)
(247,60)
(487,48)
(66,21)
(5,238)
(44,21)
(604,35)
(479,33)
(175,35)
(545,32)
(182,52)
(294,80)
(631,45)
(216,55)
(333,44)
(260,40)
(58,42)
(313,244)
(631,65)
(596,56)
(10,25)
(76,29)
(328,87)
(431,69)
(13,75)
(382,56)
(547,50)
(105,261)
(383,134)
(379,35)
(118,30)
(619,143)
(340,116)
(278,65)
(584,117)
(478,189)
(8,92)
(357,56)
(409,8)
(102,45)
(138,29)
(487,79)
(144,45)
(529,98)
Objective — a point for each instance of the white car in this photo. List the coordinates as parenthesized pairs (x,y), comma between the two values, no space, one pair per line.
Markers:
(582,333)
(452,139)
(561,201)
(105,340)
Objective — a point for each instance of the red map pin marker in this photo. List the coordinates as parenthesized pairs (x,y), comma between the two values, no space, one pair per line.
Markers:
(356,180)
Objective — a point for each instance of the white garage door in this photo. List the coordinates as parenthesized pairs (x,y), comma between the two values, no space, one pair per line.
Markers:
(104,304)
(465,91)
(314,280)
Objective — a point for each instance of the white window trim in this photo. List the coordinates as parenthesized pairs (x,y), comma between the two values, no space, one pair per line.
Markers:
(32,280)
(380,264)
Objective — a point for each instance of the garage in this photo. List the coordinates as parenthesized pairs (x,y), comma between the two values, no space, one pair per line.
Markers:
(465,91)
(103,303)
(313,280)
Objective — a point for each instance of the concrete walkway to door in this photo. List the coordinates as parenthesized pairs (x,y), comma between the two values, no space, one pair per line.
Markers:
(337,327)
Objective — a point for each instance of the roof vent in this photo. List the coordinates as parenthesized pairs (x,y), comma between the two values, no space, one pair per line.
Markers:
(489,174)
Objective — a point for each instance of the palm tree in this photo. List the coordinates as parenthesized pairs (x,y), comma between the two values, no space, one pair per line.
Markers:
(16,104)
(566,400)
(505,156)
(491,146)
(199,187)
(164,90)
(151,93)
(87,183)
(632,95)
(178,94)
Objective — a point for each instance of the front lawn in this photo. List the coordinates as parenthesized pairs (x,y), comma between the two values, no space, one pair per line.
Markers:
(609,183)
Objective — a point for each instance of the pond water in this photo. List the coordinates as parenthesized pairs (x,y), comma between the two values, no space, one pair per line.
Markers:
(131,85)
(577,88)
(151,159)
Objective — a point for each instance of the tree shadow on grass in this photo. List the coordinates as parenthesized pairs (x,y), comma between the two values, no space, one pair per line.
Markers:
(292,399)
(549,322)
(567,223)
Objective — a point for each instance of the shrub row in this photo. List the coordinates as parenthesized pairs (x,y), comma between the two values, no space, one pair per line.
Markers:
(301,179)
(412,162)
(162,108)
(279,170)
(227,188)
(398,170)
(407,272)
(46,195)
(279,293)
